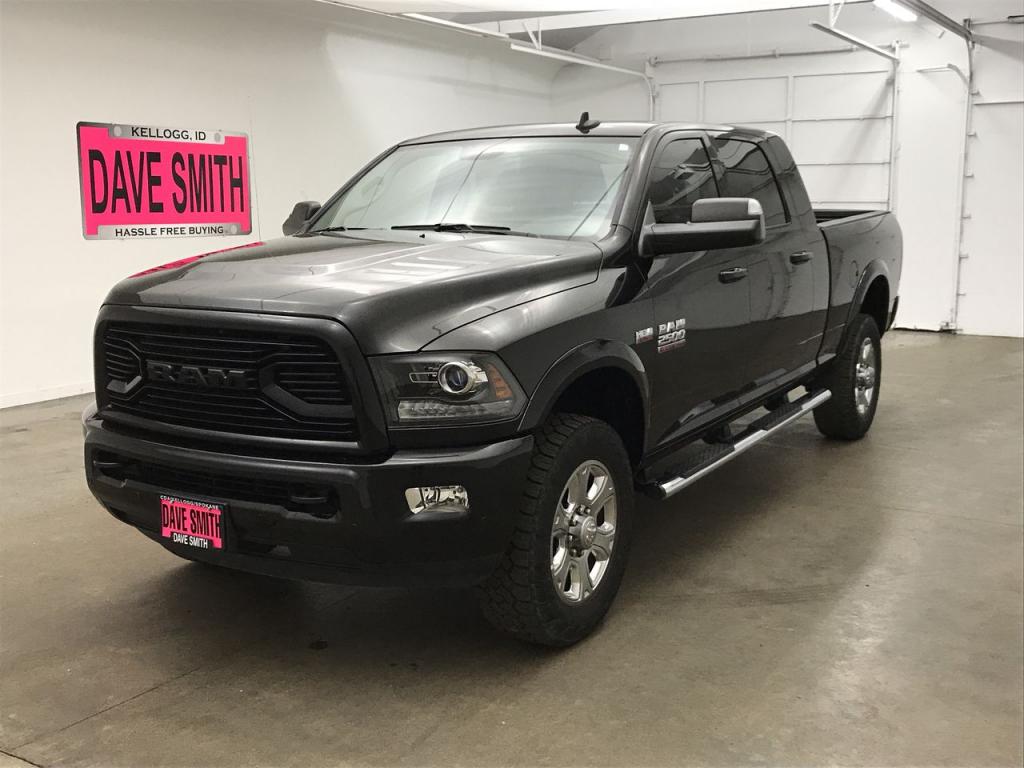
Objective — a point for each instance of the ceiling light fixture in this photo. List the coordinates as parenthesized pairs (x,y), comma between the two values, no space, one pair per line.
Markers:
(893,8)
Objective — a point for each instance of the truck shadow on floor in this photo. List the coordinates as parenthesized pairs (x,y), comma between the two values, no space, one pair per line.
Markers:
(751,534)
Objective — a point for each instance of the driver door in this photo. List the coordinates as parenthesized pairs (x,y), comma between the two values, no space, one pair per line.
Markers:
(701,300)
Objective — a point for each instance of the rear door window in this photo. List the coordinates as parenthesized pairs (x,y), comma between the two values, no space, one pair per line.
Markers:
(746,172)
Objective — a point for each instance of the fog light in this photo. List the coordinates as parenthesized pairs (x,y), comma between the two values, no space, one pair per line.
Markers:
(437,498)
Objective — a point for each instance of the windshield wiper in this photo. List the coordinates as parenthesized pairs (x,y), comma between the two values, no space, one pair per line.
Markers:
(489,229)
(333,229)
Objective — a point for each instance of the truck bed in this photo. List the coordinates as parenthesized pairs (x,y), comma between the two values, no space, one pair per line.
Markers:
(856,239)
(828,215)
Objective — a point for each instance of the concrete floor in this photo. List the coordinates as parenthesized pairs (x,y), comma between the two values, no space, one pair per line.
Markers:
(811,603)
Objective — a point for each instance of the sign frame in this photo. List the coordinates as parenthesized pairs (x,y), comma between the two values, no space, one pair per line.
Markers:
(233,225)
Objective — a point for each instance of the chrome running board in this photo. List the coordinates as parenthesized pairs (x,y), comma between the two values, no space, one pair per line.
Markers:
(716,455)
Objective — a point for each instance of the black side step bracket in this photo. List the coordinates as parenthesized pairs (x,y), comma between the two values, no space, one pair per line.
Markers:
(714,456)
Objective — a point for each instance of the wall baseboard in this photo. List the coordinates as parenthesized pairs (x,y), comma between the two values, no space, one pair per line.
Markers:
(42,395)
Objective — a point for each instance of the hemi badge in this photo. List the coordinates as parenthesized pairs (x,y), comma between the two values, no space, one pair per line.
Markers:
(644,335)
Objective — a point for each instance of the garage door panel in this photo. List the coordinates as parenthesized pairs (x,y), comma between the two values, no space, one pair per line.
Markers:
(779,128)
(837,125)
(856,184)
(680,102)
(745,101)
(857,94)
(841,141)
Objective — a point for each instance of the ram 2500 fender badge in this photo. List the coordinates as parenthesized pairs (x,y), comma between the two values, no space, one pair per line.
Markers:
(195,376)
(671,334)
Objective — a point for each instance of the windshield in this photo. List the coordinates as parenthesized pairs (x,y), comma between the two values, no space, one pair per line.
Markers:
(551,187)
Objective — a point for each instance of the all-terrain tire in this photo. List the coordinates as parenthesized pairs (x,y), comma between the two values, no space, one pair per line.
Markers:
(520,597)
(841,417)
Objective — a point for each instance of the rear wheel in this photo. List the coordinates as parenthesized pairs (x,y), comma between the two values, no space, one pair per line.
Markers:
(854,377)
(568,553)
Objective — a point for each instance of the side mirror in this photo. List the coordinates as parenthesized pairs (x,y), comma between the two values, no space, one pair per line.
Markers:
(301,213)
(716,222)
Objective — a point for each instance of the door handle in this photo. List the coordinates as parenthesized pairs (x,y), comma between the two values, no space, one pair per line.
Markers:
(732,275)
(800,257)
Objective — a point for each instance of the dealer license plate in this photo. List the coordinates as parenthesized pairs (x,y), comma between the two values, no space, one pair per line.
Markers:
(196,524)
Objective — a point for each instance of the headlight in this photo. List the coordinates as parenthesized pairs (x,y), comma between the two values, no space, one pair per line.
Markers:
(447,388)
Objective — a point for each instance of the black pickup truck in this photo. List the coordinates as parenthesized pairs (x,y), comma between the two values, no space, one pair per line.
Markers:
(458,370)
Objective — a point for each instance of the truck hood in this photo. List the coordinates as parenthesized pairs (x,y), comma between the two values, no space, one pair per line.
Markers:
(395,294)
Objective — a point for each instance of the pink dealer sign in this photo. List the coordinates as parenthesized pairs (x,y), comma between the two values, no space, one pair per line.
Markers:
(141,181)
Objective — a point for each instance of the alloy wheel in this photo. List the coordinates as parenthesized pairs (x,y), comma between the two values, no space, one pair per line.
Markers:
(583,532)
(866,376)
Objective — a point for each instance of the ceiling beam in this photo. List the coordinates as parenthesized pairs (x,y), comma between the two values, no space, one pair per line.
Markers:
(846,36)
(652,11)
(938,17)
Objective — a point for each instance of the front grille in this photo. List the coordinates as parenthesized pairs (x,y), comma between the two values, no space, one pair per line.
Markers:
(316,500)
(240,382)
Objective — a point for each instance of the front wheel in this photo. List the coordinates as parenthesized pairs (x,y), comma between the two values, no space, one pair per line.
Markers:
(568,552)
(854,377)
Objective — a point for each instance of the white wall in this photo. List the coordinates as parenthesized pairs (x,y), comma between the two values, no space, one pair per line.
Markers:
(319,90)
(930,132)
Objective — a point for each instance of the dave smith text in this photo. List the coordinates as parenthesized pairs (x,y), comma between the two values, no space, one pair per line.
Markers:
(130,182)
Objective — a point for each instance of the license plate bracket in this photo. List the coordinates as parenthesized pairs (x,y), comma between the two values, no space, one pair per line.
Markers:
(193,523)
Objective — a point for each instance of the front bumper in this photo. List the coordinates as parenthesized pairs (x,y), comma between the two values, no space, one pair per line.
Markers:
(360,531)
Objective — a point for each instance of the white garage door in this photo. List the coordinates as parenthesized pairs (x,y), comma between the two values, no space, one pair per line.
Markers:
(838,126)
(992,271)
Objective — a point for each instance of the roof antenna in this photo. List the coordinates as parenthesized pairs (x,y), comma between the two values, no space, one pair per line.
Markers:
(586,125)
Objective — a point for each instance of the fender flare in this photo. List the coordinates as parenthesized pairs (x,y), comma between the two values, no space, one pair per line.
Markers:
(587,357)
(877,268)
